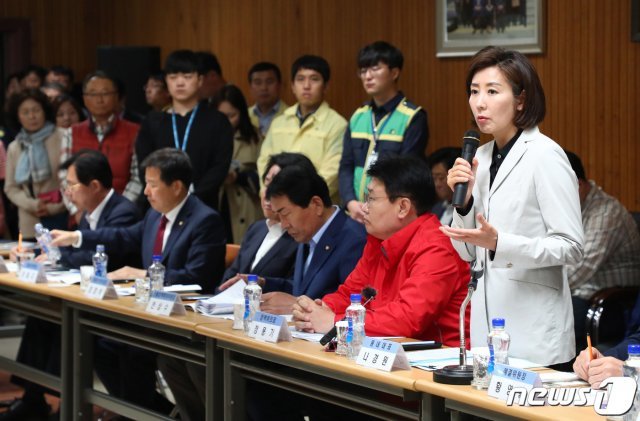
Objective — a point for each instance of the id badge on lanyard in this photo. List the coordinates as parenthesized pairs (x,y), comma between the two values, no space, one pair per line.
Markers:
(371,159)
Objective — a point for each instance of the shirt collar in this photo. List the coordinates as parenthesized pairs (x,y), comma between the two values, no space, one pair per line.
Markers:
(272,111)
(97,212)
(274,228)
(173,213)
(318,235)
(102,130)
(388,106)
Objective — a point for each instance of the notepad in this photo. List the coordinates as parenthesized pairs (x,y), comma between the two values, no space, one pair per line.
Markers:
(221,303)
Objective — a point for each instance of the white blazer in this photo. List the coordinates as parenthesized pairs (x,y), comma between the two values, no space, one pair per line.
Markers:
(534,205)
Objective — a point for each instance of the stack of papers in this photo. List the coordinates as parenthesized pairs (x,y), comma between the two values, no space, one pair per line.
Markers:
(221,303)
(433,359)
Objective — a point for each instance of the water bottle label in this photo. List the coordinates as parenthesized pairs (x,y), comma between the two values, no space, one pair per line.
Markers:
(382,355)
(269,328)
(165,303)
(32,272)
(101,288)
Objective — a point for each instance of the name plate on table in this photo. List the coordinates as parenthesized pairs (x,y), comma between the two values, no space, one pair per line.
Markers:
(165,303)
(505,378)
(32,272)
(3,266)
(382,355)
(101,288)
(269,328)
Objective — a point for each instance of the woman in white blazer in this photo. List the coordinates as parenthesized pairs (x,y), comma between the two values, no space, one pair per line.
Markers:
(521,217)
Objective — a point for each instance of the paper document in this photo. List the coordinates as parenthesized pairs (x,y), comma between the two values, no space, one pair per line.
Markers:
(311,337)
(183,288)
(221,303)
(66,277)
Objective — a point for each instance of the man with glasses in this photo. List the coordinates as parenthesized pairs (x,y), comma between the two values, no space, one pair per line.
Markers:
(88,186)
(104,131)
(387,124)
(419,278)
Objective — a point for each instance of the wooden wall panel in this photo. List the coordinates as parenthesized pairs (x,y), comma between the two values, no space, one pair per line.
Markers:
(588,68)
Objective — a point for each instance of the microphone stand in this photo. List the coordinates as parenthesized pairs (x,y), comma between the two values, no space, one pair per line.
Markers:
(462,373)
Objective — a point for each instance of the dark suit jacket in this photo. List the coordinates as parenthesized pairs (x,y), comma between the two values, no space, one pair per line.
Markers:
(335,256)
(194,252)
(117,212)
(277,262)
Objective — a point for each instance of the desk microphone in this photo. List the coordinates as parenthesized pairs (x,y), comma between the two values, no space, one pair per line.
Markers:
(462,373)
(369,293)
(470,143)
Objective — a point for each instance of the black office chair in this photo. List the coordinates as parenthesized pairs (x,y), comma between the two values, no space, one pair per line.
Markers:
(607,316)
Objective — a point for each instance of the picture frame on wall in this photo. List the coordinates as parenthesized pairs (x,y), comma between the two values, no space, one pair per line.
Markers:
(635,20)
(465,26)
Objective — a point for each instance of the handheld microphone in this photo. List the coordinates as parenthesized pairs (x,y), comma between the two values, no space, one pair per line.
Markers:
(369,293)
(470,143)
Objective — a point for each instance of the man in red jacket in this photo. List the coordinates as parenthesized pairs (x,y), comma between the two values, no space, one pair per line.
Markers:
(419,278)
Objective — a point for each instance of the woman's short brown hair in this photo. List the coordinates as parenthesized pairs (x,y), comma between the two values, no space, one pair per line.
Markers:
(523,79)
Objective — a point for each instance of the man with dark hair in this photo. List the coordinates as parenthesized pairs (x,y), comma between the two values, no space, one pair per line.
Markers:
(611,248)
(419,277)
(32,77)
(201,131)
(440,162)
(104,131)
(387,124)
(156,93)
(265,82)
(212,80)
(62,75)
(187,234)
(190,238)
(88,186)
(309,127)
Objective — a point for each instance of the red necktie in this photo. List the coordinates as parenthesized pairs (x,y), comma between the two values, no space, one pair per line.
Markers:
(157,246)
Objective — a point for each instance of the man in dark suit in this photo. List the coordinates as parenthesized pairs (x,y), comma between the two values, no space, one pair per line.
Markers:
(88,185)
(184,231)
(189,236)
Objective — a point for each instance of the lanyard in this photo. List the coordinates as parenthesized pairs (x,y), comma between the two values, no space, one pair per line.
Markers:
(375,130)
(185,139)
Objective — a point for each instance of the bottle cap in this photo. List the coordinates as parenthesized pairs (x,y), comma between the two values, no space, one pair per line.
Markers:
(156,258)
(100,248)
(38,226)
(633,349)
(356,298)
(252,278)
(497,322)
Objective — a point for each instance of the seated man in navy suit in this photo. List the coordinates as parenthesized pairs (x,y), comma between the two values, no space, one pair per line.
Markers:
(88,185)
(187,233)
(330,243)
(190,237)
(267,250)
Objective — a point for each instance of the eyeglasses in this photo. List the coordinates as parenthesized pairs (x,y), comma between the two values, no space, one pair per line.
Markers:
(362,72)
(66,185)
(99,94)
(368,199)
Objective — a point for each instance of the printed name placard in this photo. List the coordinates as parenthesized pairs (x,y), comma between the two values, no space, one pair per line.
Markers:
(165,303)
(505,378)
(269,328)
(32,272)
(382,355)
(101,288)
(3,266)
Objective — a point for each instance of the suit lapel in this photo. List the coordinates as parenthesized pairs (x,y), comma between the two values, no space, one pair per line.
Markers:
(299,270)
(106,211)
(323,250)
(177,228)
(252,245)
(509,163)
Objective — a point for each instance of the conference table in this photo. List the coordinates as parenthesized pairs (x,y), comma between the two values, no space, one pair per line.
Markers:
(231,360)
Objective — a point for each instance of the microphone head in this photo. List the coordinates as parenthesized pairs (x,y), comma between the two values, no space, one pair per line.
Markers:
(471,137)
(369,292)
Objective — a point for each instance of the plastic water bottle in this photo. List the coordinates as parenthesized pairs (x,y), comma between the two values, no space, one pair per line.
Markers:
(44,239)
(156,273)
(100,260)
(252,296)
(498,341)
(631,369)
(355,314)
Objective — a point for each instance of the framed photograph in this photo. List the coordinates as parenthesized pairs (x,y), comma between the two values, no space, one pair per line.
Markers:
(465,26)
(635,20)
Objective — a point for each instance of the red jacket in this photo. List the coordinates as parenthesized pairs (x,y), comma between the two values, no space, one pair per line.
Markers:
(421,283)
(118,146)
